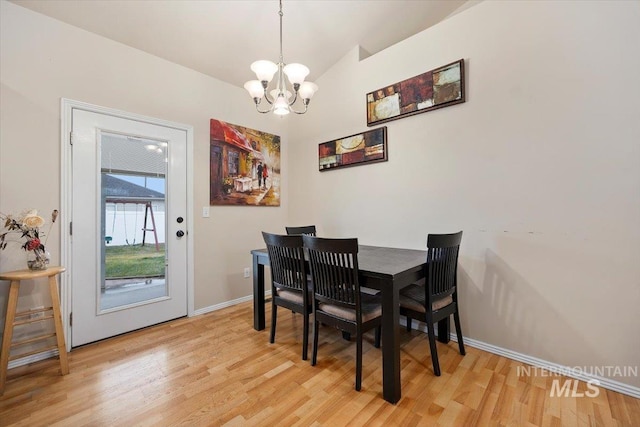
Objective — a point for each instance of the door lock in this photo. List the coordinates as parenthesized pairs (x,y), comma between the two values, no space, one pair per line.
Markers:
(180,233)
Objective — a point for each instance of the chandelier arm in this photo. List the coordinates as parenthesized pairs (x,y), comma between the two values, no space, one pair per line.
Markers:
(306,104)
(266,96)
(295,98)
(260,111)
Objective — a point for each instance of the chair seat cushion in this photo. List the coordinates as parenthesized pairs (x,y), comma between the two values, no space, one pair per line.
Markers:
(293,295)
(370,310)
(290,295)
(413,298)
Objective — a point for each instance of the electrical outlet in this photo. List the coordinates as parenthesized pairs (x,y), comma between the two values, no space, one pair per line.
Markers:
(247,272)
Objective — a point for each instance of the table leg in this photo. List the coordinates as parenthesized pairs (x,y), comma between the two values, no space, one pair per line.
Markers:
(390,344)
(443,330)
(12,303)
(57,320)
(258,294)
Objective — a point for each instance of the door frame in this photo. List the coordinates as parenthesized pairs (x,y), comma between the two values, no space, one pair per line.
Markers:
(66,202)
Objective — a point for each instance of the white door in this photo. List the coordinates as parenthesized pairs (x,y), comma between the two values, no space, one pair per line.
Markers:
(129,251)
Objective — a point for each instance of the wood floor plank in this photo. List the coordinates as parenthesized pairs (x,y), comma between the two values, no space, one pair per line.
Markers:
(215,370)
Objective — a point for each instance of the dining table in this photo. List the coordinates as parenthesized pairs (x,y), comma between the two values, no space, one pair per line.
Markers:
(387,270)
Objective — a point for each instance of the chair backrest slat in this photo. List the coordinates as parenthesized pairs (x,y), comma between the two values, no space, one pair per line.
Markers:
(442,265)
(309,230)
(286,257)
(334,270)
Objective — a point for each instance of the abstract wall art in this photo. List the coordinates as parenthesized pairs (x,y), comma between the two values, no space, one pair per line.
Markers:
(434,89)
(354,150)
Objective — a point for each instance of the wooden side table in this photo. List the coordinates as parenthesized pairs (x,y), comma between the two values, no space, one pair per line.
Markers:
(27,317)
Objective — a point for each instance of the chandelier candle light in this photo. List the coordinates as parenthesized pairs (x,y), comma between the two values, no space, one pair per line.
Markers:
(279,98)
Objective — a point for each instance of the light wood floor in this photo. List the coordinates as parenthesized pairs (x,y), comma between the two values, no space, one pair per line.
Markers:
(214,369)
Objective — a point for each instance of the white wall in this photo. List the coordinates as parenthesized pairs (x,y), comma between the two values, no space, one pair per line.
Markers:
(540,168)
(43,60)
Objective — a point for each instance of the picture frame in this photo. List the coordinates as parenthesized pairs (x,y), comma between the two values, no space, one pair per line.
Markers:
(244,166)
(354,150)
(438,88)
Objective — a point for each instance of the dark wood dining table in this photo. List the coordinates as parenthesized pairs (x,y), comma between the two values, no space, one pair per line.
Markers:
(384,269)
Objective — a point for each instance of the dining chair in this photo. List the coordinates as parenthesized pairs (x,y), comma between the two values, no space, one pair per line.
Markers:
(337,300)
(436,297)
(309,230)
(290,286)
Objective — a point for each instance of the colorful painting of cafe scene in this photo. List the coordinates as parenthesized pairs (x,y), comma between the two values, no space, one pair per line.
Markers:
(244,166)
(358,149)
(434,89)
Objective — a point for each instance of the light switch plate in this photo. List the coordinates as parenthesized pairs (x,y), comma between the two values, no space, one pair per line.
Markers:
(205,212)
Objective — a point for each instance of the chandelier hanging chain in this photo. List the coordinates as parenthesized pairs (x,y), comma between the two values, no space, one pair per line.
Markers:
(281,85)
(281,15)
(278,98)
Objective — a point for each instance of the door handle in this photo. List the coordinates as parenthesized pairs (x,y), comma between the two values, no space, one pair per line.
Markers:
(179,233)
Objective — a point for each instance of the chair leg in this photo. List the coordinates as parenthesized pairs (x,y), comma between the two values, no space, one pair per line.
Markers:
(409,320)
(434,351)
(456,320)
(305,336)
(274,316)
(359,361)
(314,353)
(378,334)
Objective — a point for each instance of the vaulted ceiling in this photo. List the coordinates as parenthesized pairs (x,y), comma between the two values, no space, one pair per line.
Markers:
(222,38)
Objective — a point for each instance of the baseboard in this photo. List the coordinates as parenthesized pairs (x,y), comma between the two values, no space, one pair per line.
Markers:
(226,304)
(220,306)
(545,365)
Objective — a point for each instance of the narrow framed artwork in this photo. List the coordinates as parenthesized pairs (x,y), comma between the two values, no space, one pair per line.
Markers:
(438,88)
(359,149)
(244,166)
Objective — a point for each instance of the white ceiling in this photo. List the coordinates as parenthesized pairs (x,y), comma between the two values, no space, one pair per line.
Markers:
(221,38)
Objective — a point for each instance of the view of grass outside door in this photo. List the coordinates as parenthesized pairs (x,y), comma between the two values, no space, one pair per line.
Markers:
(135,261)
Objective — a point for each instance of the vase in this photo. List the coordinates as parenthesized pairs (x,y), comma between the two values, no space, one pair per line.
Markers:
(38,259)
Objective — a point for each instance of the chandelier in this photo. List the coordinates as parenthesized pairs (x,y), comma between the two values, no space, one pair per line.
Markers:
(279,98)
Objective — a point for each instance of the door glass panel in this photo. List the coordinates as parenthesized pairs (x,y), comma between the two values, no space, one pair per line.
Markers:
(133,224)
